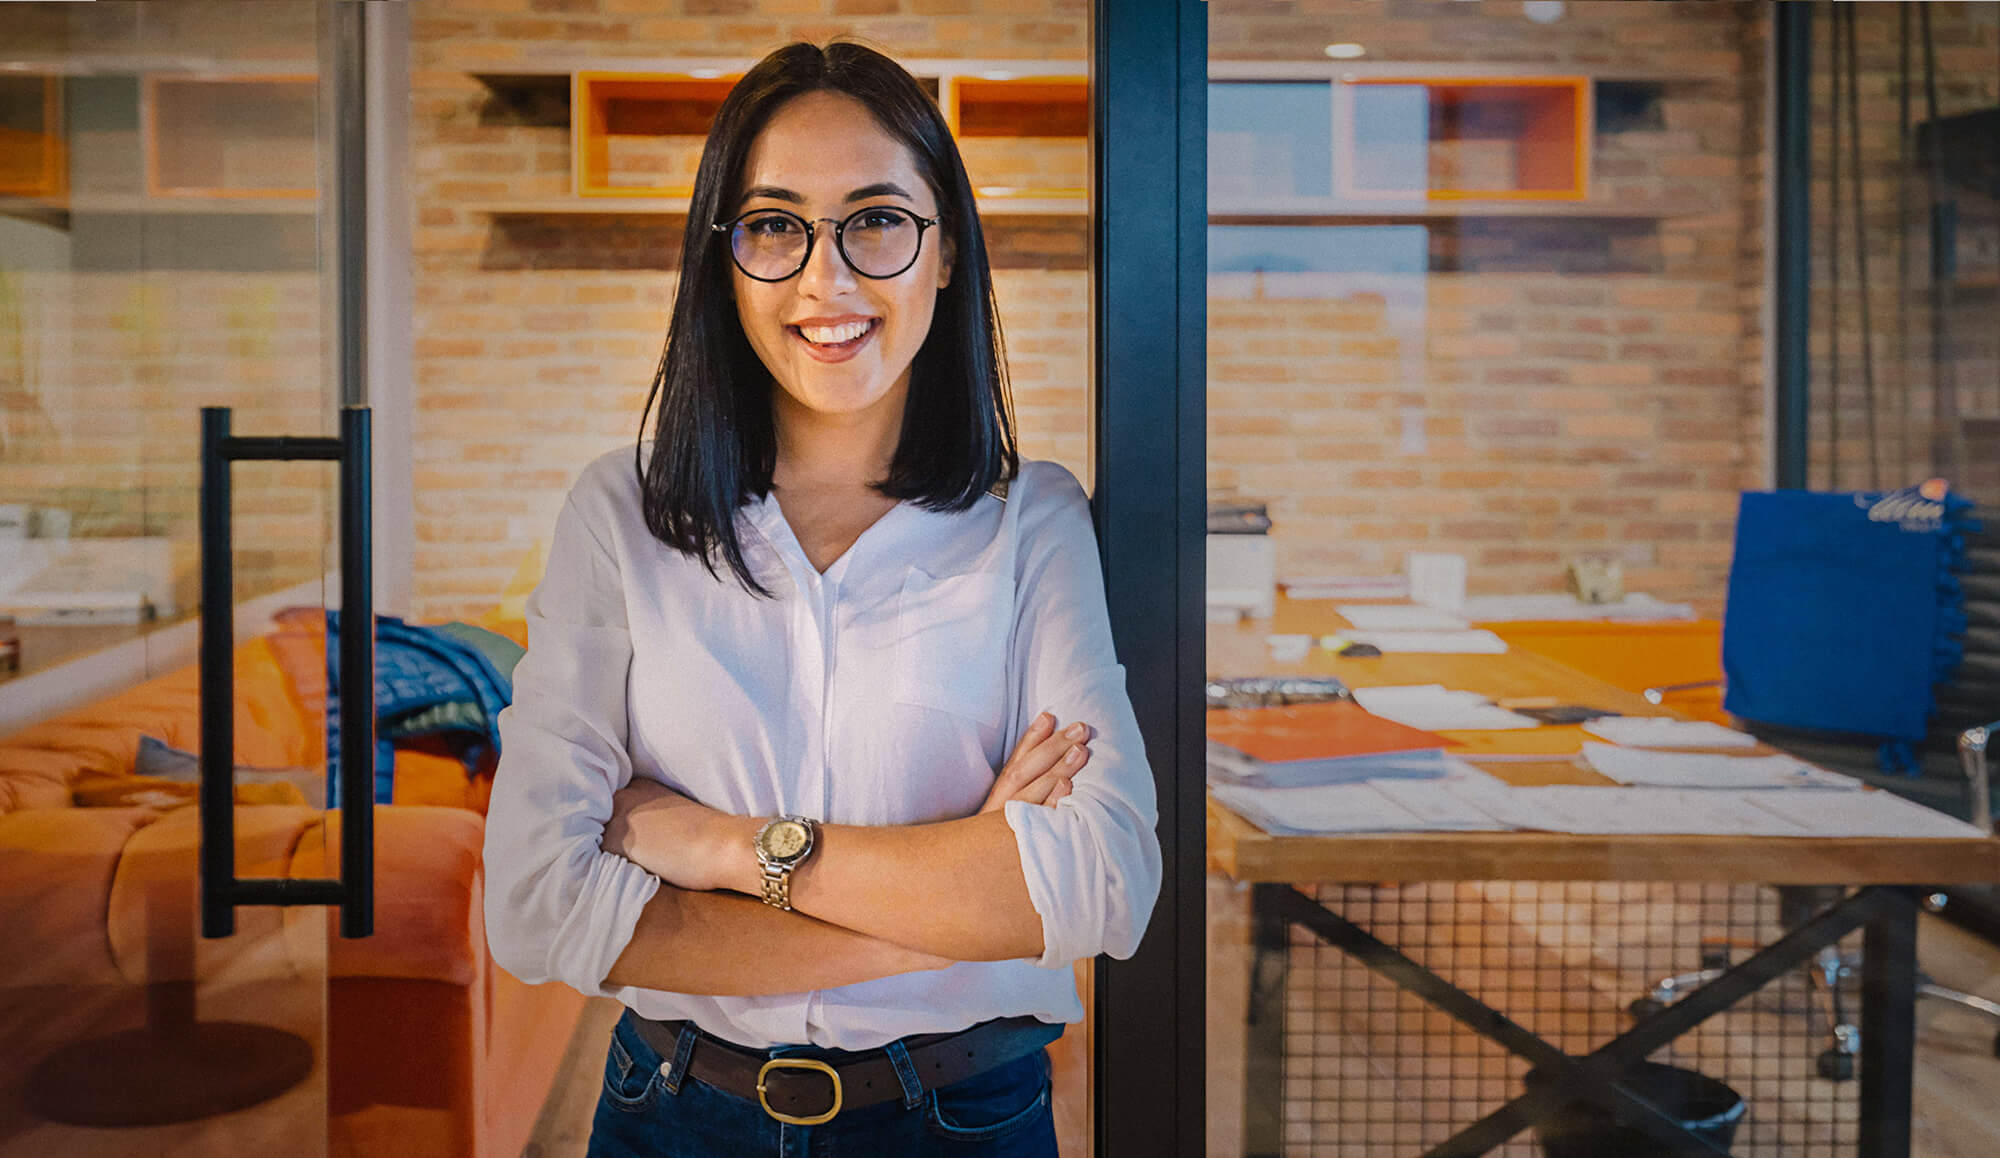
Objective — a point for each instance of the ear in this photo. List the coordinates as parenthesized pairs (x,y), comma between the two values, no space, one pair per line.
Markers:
(948,257)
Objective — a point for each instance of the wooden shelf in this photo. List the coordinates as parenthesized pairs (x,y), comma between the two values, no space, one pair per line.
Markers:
(640,134)
(678,206)
(1462,138)
(238,137)
(32,157)
(636,134)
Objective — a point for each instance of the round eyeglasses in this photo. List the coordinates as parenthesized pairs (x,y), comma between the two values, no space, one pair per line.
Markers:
(877,242)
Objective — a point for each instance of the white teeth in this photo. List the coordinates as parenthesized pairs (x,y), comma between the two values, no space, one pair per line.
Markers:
(834,335)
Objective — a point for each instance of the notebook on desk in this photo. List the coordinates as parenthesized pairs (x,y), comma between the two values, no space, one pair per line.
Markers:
(1328,743)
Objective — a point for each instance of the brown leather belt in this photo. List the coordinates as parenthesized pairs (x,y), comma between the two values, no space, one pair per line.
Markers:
(806,1089)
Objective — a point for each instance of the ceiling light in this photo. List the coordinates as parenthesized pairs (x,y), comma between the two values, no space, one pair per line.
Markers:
(1542,11)
(1346,51)
(705,73)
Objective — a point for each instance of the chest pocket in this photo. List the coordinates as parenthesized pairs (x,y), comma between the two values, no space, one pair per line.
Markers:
(951,644)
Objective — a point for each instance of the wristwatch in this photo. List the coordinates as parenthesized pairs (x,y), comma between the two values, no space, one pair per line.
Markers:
(783,844)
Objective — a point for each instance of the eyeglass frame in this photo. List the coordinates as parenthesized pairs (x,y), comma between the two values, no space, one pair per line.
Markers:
(924,224)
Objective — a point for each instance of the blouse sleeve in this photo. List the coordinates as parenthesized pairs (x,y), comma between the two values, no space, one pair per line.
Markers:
(559,908)
(1093,861)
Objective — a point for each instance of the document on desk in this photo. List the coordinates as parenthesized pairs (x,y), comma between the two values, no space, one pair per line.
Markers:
(1399,617)
(1517,608)
(1593,811)
(1447,804)
(1473,642)
(1650,767)
(1861,814)
(1667,732)
(1436,708)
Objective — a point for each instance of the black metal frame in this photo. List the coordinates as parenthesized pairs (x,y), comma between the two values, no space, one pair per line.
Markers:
(1791,289)
(221,889)
(1149,127)
(1888,915)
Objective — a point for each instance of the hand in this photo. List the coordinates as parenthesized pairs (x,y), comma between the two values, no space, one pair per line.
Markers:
(684,843)
(1042,764)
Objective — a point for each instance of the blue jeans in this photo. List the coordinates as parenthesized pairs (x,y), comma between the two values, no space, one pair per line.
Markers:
(650,1109)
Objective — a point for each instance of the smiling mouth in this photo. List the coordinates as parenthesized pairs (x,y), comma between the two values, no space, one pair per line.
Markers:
(834,339)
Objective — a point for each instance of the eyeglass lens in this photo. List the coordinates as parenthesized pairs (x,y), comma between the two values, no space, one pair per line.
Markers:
(879,241)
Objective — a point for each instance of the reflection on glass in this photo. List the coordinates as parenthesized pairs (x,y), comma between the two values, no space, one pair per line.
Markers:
(160,251)
(1268,139)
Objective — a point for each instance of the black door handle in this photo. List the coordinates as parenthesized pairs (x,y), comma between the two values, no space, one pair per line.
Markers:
(221,890)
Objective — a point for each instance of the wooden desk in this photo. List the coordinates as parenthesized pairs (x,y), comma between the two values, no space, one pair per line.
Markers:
(1886,910)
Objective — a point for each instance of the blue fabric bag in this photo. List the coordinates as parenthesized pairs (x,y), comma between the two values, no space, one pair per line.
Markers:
(1844,613)
(417,669)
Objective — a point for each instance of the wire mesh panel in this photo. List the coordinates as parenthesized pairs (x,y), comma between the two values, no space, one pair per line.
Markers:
(1370,1070)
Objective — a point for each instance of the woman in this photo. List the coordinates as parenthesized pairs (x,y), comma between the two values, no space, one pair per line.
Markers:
(748,786)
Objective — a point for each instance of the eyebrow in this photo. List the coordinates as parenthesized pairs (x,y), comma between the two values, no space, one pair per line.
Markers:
(879,189)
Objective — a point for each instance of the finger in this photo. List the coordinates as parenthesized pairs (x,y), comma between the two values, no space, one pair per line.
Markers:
(1071,763)
(1061,790)
(1026,766)
(1037,730)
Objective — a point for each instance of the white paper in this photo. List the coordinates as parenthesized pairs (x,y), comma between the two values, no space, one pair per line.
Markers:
(1399,617)
(1516,608)
(1696,770)
(1434,708)
(1667,732)
(1861,814)
(1432,642)
(1348,587)
(1586,810)
(1326,809)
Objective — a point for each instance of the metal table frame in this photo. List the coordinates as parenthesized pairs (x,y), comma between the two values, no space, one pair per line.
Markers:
(1886,913)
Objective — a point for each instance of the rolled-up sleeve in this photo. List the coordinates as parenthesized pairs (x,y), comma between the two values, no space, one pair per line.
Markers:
(559,908)
(1092,862)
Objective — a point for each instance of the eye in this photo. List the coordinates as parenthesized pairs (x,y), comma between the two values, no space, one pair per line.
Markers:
(879,219)
(769,225)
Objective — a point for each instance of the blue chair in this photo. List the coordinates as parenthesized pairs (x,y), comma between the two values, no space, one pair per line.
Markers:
(1862,633)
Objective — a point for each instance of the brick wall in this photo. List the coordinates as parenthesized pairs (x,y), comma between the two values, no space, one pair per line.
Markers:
(1562,387)
(537,335)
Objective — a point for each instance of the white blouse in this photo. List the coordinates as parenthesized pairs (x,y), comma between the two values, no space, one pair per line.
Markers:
(887,691)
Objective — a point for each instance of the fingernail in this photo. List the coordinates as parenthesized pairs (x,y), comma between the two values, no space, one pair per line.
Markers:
(1074,755)
(1076,731)
(1045,720)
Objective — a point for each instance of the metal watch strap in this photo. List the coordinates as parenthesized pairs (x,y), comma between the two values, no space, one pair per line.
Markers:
(778,886)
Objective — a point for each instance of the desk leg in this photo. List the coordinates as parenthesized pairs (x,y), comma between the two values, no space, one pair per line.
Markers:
(1888,1029)
(1264,1035)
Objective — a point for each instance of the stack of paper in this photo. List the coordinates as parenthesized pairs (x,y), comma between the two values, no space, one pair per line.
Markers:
(1667,732)
(1330,743)
(1691,770)
(1434,642)
(1379,806)
(1436,708)
(1514,608)
(1399,617)
(1348,587)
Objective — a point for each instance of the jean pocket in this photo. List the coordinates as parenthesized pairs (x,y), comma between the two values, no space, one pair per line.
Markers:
(1001,1102)
(629,1085)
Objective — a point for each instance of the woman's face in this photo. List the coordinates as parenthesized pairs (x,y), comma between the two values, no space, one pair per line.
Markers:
(838,343)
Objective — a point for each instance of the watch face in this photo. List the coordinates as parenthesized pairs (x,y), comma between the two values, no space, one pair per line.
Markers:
(784,840)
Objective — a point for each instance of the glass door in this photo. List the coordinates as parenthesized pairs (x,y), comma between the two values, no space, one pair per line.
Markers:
(169,272)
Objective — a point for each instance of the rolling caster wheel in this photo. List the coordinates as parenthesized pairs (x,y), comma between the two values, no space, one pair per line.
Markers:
(1645,1007)
(1836,1066)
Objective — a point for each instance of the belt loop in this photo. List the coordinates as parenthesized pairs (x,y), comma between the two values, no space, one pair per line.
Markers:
(906,1073)
(677,1068)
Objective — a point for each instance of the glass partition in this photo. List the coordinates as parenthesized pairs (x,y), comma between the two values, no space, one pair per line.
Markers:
(165,246)
(1489,314)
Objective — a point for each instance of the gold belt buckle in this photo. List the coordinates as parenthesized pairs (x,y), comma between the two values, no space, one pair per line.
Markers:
(799,1063)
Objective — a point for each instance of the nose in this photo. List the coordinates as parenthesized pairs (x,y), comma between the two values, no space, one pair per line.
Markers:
(826,273)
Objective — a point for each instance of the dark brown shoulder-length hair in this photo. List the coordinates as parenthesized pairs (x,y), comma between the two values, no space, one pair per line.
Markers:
(714,444)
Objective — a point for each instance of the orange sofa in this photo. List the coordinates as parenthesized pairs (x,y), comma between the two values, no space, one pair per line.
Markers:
(430,1049)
